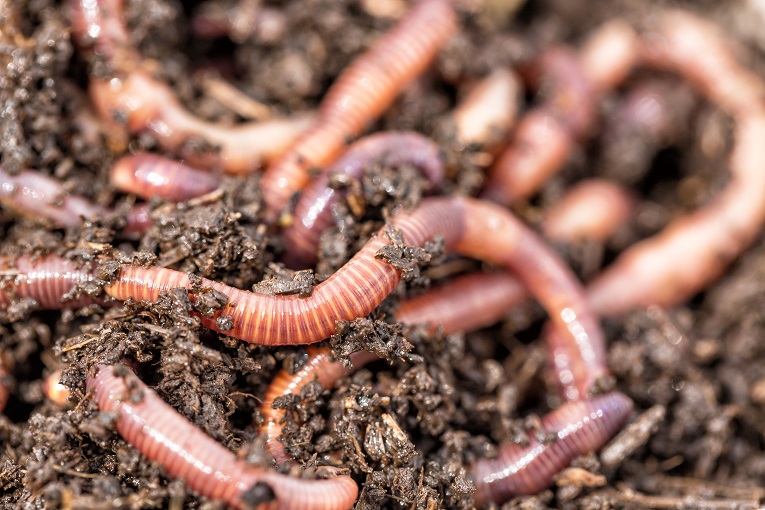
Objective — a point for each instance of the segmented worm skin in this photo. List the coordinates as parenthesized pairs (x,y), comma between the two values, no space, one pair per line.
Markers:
(591,209)
(466,303)
(150,105)
(692,251)
(166,437)
(468,226)
(487,113)
(150,175)
(545,135)
(38,196)
(46,280)
(320,367)
(579,428)
(313,212)
(360,94)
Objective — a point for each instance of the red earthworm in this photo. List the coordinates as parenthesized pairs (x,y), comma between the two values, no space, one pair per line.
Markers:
(468,226)
(166,437)
(592,209)
(54,390)
(47,280)
(150,175)
(486,114)
(545,135)
(43,198)
(466,303)
(147,104)
(313,212)
(579,428)
(360,94)
(673,265)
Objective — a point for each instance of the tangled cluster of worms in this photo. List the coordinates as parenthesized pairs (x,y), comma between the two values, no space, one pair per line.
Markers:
(309,167)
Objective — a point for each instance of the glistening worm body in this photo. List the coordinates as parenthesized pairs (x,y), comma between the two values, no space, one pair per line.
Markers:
(360,94)
(313,212)
(694,250)
(149,176)
(579,428)
(46,280)
(150,105)
(164,436)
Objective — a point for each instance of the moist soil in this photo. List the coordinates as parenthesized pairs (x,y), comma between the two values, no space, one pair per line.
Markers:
(405,428)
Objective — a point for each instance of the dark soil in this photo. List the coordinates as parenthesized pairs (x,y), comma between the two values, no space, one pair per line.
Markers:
(695,372)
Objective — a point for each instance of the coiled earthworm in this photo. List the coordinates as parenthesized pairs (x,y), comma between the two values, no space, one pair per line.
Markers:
(466,303)
(153,176)
(146,104)
(591,209)
(673,265)
(42,198)
(545,135)
(486,114)
(313,212)
(579,428)
(360,94)
(164,436)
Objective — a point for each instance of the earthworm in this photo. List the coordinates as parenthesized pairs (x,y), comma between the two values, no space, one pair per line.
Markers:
(42,198)
(466,303)
(360,94)
(591,209)
(313,212)
(247,19)
(579,428)
(692,251)
(468,226)
(486,114)
(144,103)
(546,134)
(47,280)
(166,437)
(38,196)
(150,175)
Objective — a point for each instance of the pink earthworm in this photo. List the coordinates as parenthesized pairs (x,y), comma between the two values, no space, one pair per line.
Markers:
(546,134)
(591,209)
(149,105)
(468,226)
(153,176)
(579,428)
(692,251)
(488,111)
(313,212)
(47,280)
(166,437)
(361,93)
(40,197)
(466,303)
